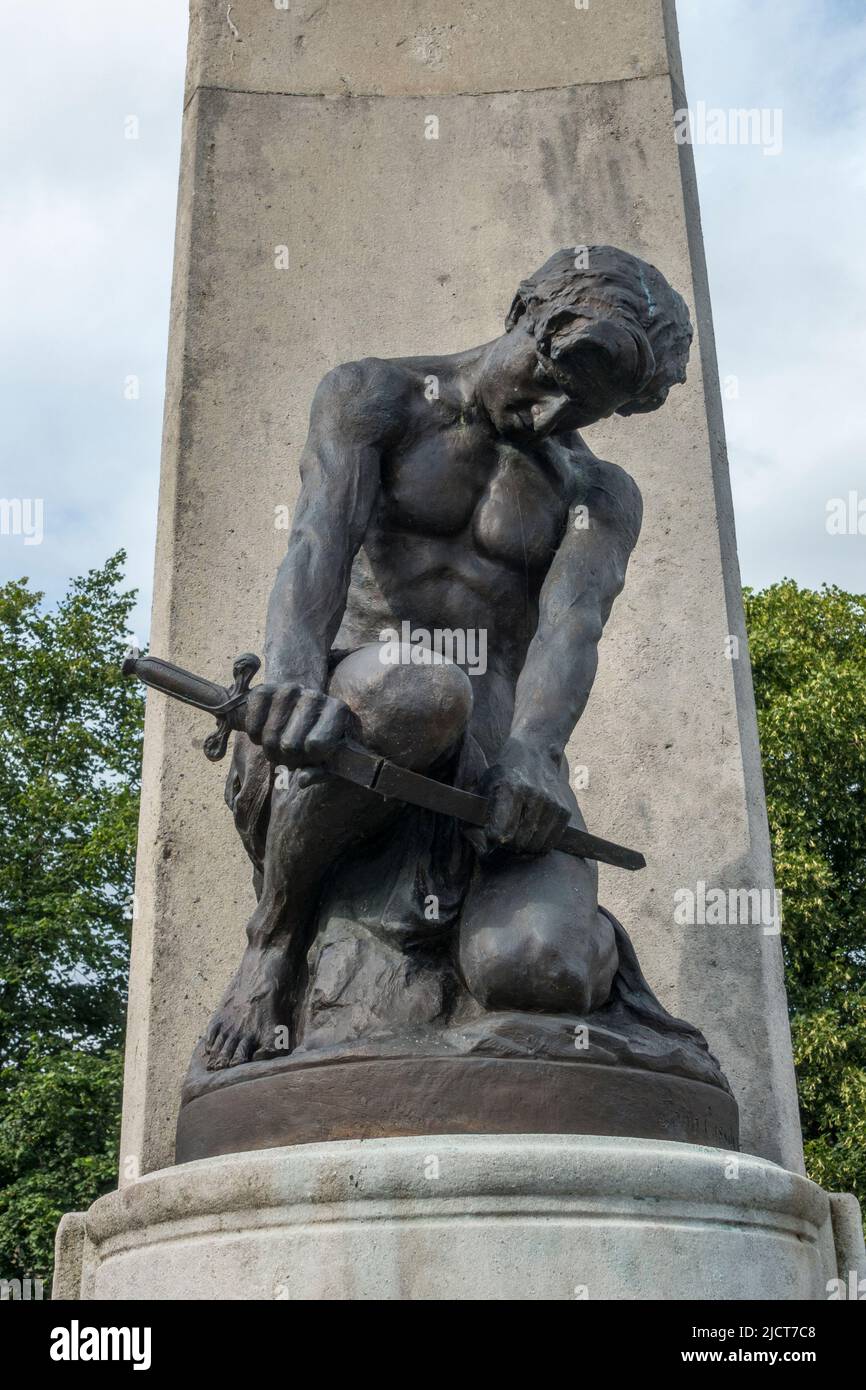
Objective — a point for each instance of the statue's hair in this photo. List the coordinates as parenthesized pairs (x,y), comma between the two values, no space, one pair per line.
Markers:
(582,284)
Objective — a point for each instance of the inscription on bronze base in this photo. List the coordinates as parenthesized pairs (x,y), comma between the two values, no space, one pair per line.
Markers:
(465,1095)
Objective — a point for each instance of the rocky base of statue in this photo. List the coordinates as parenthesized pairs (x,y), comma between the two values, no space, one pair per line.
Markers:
(472,1217)
(390,1042)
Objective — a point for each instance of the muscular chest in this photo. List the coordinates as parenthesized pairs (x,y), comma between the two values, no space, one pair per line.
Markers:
(502,502)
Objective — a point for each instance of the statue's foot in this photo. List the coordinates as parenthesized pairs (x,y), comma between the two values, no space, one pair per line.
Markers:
(250,1018)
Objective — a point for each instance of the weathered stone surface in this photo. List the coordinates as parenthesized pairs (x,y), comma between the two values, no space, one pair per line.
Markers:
(848,1236)
(418,47)
(69,1245)
(349,184)
(466,1217)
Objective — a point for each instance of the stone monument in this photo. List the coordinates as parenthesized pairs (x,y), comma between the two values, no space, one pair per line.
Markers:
(439,1070)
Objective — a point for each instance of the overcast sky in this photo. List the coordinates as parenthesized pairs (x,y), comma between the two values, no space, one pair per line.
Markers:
(86,232)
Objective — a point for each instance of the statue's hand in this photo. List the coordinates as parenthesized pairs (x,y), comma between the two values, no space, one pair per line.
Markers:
(529,808)
(296,726)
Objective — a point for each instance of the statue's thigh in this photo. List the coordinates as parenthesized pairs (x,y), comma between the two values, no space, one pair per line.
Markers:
(531,935)
(411,713)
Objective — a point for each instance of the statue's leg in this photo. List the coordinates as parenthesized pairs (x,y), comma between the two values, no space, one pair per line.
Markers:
(532,937)
(412,714)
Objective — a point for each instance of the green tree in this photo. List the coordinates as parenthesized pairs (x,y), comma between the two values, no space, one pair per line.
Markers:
(809,658)
(70,753)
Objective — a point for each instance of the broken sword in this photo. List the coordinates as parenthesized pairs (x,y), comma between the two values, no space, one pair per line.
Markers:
(349,760)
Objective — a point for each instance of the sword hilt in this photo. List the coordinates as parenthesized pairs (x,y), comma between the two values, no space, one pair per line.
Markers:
(223,703)
(244,669)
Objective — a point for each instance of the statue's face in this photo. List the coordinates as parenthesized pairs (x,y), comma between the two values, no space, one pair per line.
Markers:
(656,392)
(528,395)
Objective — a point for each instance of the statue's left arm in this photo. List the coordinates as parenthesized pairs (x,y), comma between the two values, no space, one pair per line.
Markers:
(587,574)
(528,806)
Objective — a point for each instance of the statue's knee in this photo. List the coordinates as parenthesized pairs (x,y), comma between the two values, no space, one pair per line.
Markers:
(504,969)
(408,712)
(565,967)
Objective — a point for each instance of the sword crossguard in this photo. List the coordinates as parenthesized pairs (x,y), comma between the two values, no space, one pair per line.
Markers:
(216,744)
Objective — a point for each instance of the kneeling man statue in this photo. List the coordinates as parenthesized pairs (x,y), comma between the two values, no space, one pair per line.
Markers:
(455,554)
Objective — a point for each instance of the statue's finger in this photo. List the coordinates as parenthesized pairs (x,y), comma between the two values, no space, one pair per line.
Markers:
(477,839)
(309,776)
(532,825)
(504,816)
(547,828)
(256,711)
(283,701)
(302,720)
(563,818)
(328,730)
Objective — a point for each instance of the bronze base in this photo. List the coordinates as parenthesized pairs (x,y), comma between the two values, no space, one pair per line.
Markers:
(283,1103)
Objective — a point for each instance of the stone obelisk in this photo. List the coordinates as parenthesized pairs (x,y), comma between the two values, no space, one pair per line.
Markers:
(330,154)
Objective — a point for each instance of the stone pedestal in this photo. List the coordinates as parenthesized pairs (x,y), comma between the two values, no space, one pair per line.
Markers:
(456,1217)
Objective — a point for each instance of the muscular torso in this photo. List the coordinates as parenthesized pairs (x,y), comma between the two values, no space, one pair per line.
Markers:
(453,527)
(463,532)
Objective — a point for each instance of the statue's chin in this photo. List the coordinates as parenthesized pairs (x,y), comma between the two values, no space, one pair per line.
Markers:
(513,428)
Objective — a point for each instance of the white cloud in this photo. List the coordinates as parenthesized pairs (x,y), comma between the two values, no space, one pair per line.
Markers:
(86,227)
(784,241)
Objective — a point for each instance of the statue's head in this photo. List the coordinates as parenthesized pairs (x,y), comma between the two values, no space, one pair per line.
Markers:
(593,332)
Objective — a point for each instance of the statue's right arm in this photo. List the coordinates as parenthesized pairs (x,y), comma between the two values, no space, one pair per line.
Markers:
(290,715)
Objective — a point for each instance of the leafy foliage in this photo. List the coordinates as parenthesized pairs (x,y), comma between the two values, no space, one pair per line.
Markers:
(809,659)
(59,1118)
(70,751)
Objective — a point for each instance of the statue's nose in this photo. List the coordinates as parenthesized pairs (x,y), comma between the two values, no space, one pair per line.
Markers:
(545,414)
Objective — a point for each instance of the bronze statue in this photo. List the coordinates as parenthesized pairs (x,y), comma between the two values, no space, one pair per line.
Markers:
(448,500)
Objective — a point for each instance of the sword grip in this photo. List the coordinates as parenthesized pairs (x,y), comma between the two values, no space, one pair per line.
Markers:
(350,761)
(174,680)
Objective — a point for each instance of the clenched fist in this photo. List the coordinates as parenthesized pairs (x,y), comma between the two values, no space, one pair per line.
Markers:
(529,806)
(296,726)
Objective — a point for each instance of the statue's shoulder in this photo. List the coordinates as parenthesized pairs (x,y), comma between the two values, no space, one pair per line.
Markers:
(608,490)
(356,384)
(367,397)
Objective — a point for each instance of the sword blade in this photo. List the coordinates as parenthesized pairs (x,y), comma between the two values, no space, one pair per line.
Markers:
(356,764)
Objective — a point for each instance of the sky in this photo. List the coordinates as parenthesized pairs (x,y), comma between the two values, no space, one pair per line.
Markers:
(86,237)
